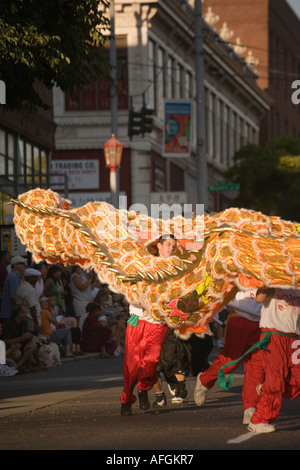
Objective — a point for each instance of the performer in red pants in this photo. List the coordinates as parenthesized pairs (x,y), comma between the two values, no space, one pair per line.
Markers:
(142,351)
(242,332)
(280,320)
(143,343)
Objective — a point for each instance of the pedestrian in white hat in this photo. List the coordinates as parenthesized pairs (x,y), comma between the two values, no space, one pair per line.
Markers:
(27,296)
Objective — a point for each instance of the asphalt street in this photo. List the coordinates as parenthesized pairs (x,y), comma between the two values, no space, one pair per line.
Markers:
(76,406)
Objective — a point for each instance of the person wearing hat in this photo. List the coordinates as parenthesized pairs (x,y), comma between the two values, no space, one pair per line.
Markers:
(27,296)
(11,285)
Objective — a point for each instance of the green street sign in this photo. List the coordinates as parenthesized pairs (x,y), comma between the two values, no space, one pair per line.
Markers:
(224,186)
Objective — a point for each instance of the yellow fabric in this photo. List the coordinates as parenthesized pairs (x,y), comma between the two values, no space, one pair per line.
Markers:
(45,325)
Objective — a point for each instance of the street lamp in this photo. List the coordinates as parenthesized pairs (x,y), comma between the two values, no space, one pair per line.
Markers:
(113,154)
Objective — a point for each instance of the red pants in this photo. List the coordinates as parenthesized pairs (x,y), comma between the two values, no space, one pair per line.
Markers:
(240,335)
(142,350)
(282,376)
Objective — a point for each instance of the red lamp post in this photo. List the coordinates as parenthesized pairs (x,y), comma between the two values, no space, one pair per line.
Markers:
(113,154)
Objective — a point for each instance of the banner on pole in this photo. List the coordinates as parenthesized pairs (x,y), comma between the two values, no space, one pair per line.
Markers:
(177,128)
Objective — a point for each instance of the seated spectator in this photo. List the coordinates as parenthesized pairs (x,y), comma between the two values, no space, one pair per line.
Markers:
(96,335)
(16,335)
(59,335)
(64,322)
(8,367)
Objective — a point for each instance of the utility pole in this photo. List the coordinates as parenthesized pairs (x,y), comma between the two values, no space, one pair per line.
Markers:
(200,108)
(114,176)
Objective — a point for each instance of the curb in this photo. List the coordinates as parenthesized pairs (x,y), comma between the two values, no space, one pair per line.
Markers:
(86,357)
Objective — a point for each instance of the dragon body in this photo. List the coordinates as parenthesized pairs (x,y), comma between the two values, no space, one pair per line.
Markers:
(237,249)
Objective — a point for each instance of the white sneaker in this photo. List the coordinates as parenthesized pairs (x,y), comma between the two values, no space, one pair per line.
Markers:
(179,399)
(6,371)
(261,427)
(181,395)
(200,392)
(248,413)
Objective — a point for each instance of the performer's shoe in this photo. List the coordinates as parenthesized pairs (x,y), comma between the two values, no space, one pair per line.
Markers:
(261,427)
(181,393)
(172,385)
(161,400)
(200,392)
(126,410)
(144,400)
(248,413)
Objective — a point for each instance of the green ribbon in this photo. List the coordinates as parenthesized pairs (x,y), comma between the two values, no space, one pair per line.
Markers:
(133,320)
(261,344)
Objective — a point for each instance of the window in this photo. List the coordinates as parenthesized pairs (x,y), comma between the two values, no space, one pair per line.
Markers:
(217,130)
(169,79)
(151,75)
(2,152)
(176,178)
(36,165)
(96,95)
(176,69)
(21,161)
(10,156)
(29,169)
(211,125)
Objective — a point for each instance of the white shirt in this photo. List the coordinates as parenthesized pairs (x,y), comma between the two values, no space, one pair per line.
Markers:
(282,311)
(143,315)
(27,296)
(245,304)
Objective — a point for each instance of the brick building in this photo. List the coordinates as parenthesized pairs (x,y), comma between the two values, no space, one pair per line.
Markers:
(266,34)
(156,64)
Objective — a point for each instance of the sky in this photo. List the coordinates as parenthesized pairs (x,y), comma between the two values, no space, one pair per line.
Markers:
(295,4)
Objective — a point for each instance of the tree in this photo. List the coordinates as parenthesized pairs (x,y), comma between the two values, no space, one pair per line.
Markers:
(58,43)
(269,177)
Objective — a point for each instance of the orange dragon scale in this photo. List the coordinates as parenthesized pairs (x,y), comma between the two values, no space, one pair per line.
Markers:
(236,249)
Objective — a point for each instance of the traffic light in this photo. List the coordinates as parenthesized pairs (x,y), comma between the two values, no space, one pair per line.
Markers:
(146,120)
(134,123)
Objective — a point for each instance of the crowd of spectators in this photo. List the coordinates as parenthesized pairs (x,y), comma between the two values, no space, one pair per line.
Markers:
(61,306)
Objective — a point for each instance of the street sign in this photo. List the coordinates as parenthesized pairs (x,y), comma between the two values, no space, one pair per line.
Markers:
(223,186)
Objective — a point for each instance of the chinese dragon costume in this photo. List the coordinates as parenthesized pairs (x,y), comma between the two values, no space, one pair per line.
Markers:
(238,249)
